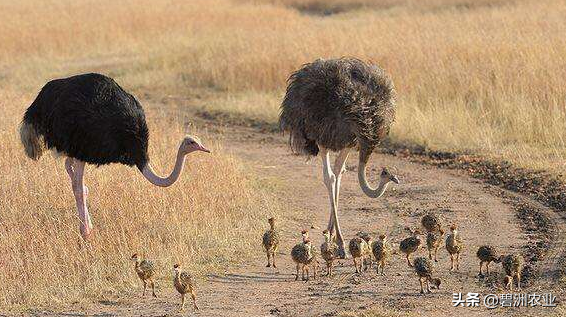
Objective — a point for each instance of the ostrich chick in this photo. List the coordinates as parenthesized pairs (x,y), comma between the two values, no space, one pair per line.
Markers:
(184,284)
(431,222)
(381,251)
(368,261)
(487,254)
(424,269)
(513,265)
(433,239)
(271,242)
(146,271)
(357,248)
(329,252)
(454,246)
(411,244)
(302,255)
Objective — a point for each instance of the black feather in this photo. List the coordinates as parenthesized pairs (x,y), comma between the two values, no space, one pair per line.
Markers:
(91,118)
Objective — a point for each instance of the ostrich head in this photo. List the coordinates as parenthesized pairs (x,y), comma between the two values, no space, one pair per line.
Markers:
(386,176)
(436,282)
(364,235)
(383,237)
(177,268)
(305,235)
(135,257)
(271,222)
(326,235)
(191,144)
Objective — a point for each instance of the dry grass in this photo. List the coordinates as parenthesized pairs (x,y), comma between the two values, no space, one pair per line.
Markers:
(479,76)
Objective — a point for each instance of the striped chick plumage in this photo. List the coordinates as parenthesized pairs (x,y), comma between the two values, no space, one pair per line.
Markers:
(382,252)
(487,254)
(513,266)
(145,269)
(409,246)
(431,222)
(329,252)
(425,270)
(184,284)
(358,248)
(303,256)
(454,247)
(271,242)
(433,240)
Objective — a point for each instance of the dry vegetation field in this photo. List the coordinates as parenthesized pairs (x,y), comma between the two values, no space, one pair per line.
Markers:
(485,77)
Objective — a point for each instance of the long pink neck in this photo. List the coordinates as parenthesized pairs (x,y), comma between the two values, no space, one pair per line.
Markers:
(157,180)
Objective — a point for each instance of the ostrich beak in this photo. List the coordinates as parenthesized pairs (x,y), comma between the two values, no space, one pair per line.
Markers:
(202,148)
(395,179)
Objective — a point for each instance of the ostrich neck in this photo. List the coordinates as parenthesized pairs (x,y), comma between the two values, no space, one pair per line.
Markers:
(366,188)
(157,180)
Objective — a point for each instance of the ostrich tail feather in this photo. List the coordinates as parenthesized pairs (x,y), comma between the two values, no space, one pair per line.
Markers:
(31,140)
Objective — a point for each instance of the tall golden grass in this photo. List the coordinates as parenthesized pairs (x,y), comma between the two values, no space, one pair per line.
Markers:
(475,76)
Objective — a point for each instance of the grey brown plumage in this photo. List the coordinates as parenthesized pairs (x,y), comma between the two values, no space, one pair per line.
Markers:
(487,254)
(145,269)
(184,284)
(454,247)
(513,267)
(410,245)
(382,252)
(431,222)
(303,256)
(433,240)
(425,270)
(337,103)
(358,248)
(271,242)
(329,252)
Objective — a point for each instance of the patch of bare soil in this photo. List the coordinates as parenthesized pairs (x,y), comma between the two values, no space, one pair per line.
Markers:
(480,197)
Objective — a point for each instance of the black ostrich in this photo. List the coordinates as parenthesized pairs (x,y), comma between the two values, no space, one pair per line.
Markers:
(336,105)
(89,118)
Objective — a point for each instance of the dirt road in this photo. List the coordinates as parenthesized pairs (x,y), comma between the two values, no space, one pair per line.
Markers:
(485,215)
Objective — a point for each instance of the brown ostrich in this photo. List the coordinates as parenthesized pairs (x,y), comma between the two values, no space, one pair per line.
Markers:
(337,105)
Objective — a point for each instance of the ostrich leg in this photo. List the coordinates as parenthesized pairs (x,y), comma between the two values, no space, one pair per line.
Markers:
(330,182)
(69,168)
(79,190)
(339,169)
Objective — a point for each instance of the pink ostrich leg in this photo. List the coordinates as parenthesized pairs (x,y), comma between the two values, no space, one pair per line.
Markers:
(75,168)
